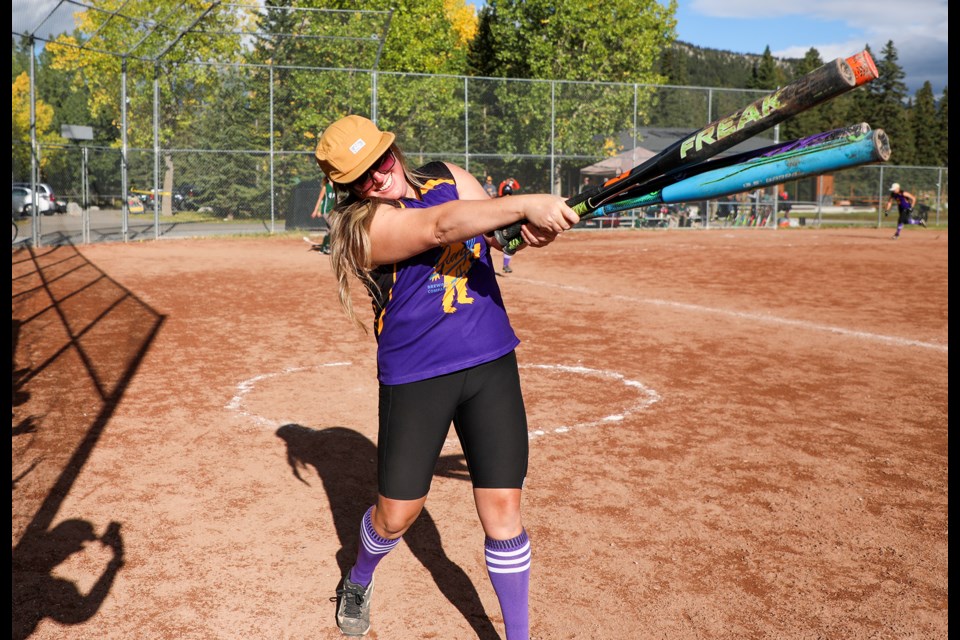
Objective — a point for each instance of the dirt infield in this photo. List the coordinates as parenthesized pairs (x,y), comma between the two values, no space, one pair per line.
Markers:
(734,434)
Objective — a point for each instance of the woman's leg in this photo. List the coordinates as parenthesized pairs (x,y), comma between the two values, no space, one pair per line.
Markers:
(414,420)
(492,427)
(382,527)
(506,550)
(499,511)
(413,423)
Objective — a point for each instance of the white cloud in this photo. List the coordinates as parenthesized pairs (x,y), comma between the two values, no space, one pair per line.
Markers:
(917,28)
(43,18)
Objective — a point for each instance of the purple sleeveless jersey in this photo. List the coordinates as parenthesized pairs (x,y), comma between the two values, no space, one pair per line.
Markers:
(440,311)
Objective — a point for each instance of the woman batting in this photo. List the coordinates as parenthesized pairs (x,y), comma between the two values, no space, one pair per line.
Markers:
(420,241)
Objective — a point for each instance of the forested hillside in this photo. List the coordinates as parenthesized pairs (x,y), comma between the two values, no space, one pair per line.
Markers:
(714,67)
(918,123)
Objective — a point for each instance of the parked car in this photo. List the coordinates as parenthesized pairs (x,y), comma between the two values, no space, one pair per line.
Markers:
(22,202)
(59,205)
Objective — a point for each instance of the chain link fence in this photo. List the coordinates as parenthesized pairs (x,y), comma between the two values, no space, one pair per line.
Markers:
(229,149)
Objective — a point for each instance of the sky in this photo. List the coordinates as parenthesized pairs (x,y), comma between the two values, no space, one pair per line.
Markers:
(835,28)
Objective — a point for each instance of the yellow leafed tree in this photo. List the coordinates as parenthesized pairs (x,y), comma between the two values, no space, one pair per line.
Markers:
(21,123)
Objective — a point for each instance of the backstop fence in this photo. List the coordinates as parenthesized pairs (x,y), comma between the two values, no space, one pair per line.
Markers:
(232,144)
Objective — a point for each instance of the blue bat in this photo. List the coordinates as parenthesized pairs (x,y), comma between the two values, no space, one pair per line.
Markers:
(872,146)
(820,153)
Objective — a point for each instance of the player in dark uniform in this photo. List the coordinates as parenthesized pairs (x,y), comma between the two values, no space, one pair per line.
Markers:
(905,202)
(420,242)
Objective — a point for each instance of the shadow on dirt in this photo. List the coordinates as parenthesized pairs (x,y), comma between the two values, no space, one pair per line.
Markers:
(78,337)
(346,462)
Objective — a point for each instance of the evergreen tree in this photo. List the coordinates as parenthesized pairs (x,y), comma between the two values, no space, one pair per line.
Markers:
(863,98)
(889,93)
(943,157)
(926,133)
(481,54)
(766,74)
(813,120)
(677,106)
(19,57)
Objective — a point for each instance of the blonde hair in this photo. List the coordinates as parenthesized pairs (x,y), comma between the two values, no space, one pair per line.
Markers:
(350,237)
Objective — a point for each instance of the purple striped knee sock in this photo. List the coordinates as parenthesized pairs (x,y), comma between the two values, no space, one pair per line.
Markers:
(373,547)
(508,563)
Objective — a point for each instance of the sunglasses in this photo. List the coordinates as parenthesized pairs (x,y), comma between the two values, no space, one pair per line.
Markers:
(383,165)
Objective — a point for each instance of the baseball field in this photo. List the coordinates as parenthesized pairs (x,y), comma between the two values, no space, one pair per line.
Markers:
(735,434)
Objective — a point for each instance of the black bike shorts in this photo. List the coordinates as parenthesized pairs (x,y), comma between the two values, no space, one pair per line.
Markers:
(485,405)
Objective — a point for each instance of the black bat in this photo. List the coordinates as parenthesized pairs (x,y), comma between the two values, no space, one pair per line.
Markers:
(790,164)
(682,173)
(820,85)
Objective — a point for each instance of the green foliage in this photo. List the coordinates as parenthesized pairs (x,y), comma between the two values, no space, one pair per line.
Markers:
(943,146)
(888,93)
(883,103)
(613,41)
(148,42)
(711,67)
(307,67)
(766,74)
(926,132)
(19,57)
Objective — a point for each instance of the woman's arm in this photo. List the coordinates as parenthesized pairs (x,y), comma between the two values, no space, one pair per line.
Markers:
(397,234)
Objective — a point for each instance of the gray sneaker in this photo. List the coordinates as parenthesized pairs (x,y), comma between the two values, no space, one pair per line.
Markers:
(353,611)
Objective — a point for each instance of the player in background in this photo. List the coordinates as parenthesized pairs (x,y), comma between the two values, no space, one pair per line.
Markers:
(506,189)
(905,202)
(489,187)
(325,203)
(419,240)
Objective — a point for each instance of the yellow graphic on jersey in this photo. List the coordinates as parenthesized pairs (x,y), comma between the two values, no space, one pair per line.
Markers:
(452,267)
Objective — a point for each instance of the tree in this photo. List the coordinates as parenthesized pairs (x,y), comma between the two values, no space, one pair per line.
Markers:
(153,39)
(20,51)
(481,54)
(766,73)
(926,133)
(677,106)
(43,114)
(618,41)
(813,120)
(888,94)
(943,146)
(570,40)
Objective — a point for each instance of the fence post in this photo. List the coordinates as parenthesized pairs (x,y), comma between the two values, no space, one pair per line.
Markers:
(553,137)
(776,188)
(156,150)
(34,147)
(880,200)
(939,190)
(819,201)
(273,215)
(124,151)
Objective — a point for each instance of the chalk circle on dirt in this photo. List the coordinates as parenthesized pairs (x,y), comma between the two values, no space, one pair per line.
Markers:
(559,398)
(562,398)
